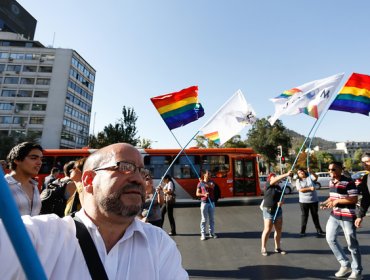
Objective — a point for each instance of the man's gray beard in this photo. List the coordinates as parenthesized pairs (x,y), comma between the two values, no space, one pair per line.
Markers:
(113,203)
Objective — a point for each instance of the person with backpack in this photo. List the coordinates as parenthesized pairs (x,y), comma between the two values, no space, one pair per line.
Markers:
(124,247)
(56,194)
(51,178)
(25,161)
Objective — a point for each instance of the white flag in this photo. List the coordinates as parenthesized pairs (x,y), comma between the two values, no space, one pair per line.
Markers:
(310,98)
(229,120)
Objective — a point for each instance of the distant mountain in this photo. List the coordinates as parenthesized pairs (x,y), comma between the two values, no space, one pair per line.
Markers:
(297,140)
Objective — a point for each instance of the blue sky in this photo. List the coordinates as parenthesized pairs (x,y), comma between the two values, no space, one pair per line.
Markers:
(142,49)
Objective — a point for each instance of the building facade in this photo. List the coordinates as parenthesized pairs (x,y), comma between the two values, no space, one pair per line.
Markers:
(46,92)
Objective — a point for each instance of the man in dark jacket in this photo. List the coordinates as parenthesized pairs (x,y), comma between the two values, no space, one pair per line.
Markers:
(364,188)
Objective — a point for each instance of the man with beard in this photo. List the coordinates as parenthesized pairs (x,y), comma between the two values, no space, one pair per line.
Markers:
(113,187)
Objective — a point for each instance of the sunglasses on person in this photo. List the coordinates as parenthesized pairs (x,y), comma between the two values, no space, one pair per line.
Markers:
(332,169)
(126,168)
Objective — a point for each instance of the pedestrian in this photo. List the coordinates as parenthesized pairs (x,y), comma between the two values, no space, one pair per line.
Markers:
(169,203)
(364,188)
(206,192)
(25,161)
(342,199)
(154,215)
(113,186)
(271,204)
(73,203)
(308,200)
(51,177)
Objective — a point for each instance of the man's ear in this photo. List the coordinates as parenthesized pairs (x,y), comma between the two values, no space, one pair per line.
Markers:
(87,180)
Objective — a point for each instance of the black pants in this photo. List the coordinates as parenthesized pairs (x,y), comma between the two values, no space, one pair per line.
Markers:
(169,208)
(305,209)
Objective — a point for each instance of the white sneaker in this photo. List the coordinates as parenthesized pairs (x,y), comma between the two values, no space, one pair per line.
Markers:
(212,235)
(343,271)
(202,237)
(355,276)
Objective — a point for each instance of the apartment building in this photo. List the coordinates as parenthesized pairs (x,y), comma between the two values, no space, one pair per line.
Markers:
(46,92)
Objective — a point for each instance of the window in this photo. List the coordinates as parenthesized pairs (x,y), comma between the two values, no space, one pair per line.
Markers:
(38,107)
(27,81)
(157,165)
(24,93)
(4,55)
(29,68)
(183,169)
(41,94)
(20,120)
(43,81)
(218,166)
(22,107)
(17,56)
(5,119)
(11,80)
(36,120)
(6,106)
(12,67)
(2,67)
(46,69)
(8,93)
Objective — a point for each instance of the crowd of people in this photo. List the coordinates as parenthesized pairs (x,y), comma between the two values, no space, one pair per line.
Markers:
(112,195)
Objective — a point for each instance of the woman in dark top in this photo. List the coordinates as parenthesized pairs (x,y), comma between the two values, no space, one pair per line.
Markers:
(270,206)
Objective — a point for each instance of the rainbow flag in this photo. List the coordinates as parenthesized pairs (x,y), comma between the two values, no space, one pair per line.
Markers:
(179,108)
(354,96)
(311,110)
(213,136)
(288,93)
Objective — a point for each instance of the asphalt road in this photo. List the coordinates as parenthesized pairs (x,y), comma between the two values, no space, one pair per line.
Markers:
(236,253)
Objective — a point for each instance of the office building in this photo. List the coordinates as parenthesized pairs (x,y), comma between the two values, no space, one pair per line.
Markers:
(46,92)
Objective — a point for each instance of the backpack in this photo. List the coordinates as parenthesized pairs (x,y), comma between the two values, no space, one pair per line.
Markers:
(53,198)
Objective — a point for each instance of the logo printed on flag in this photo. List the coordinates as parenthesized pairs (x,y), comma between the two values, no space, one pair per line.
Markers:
(310,98)
(179,108)
(230,119)
(354,97)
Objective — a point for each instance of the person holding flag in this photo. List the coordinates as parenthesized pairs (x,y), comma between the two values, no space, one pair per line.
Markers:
(206,192)
(271,204)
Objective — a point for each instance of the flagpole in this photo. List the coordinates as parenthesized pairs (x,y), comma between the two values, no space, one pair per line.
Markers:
(191,164)
(18,234)
(168,169)
(291,169)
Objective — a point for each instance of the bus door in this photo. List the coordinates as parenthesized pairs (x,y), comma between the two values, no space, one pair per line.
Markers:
(244,177)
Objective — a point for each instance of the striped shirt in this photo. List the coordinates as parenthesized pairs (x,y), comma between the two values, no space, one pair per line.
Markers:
(344,188)
(25,205)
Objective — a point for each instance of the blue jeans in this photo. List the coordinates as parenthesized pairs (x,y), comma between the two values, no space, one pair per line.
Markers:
(208,213)
(333,227)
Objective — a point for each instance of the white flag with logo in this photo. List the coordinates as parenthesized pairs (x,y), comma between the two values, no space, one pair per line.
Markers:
(310,98)
(229,120)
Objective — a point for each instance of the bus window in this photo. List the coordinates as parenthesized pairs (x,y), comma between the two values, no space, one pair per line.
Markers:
(182,169)
(157,165)
(218,166)
(244,168)
(47,164)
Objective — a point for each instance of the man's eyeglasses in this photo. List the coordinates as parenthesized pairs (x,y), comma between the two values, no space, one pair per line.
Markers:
(126,168)
(333,169)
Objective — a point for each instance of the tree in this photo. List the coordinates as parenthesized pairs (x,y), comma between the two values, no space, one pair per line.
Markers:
(122,131)
(323,160)
(146,143)
(235,142)
(265,139)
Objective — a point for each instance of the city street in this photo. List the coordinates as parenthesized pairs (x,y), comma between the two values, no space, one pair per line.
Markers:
(236,252)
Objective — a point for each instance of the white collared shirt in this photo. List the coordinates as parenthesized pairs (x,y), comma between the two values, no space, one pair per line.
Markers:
(25,205)
(144,252)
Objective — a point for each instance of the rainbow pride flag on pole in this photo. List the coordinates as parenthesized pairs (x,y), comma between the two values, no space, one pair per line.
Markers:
(179,108)
(354,97)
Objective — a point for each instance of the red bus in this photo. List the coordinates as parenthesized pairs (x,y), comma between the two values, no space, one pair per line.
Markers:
(234,170)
